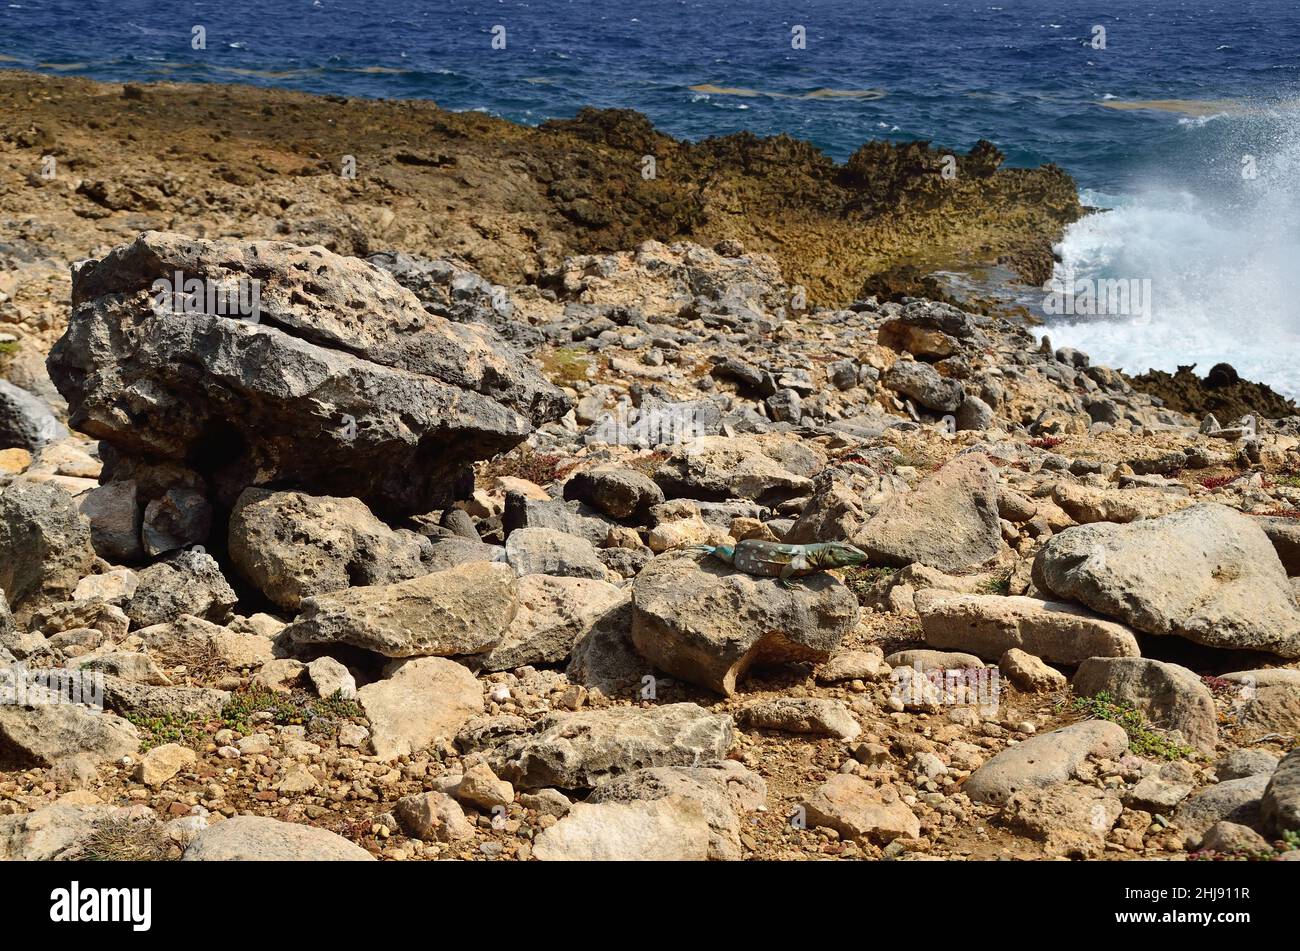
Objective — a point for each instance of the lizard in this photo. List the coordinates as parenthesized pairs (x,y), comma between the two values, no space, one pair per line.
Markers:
(785,561)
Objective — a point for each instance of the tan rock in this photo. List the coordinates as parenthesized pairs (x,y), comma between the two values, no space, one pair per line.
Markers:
(422,701)
(529,490)
(674,828)
(162,763)
(14,461)
(1086,504)
(989,625)
(433,817)
(857,810)
(460,610)
(481,787)
(1029,673)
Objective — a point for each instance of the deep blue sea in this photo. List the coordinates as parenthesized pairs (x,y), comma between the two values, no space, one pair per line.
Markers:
(1182,116)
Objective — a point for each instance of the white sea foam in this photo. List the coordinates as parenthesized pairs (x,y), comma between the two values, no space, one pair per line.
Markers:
(1222,254)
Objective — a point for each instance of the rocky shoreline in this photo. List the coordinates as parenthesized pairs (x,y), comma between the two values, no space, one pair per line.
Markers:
(406,562)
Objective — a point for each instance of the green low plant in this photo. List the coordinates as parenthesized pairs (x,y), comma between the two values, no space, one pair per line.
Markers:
(1144,739)
(171,728)
(999,584)
(287,709)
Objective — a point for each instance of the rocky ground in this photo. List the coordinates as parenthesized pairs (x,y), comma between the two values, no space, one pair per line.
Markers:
(401,566)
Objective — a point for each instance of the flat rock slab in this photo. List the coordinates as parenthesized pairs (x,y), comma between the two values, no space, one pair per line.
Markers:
(950,521)
(461,610)
(422,700)
(259,839)
(1170,696)
(1239,763)
(934,660)
(672,829)
(1086,504)
(707,624)
(190,636)
(46,728)
(1044,760)
(857,810)
(990,624)
(1206,573)
(125,697)
(814,716)
(584,749)
(767,469)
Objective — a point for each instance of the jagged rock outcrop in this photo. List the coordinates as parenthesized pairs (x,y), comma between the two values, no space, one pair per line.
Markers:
(708,624)
(337,382)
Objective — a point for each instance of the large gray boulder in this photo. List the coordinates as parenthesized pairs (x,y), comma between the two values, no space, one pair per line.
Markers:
(1044,760)
(707,623)
(1170,696)
(188,582)
(25,421)
(44,543)
(339,383)
(949,522)
(1206,573)
(290,545)
(1280,807)
(923,384)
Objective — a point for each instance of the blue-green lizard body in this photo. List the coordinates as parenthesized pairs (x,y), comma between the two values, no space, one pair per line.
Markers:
(785,561)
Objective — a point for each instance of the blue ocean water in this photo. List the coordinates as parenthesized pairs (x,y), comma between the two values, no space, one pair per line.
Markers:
(1184,120)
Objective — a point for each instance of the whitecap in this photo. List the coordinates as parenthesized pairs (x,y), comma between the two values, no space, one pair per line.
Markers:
(1220,257)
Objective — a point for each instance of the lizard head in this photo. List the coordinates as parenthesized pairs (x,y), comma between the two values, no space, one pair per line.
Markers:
(840,555)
